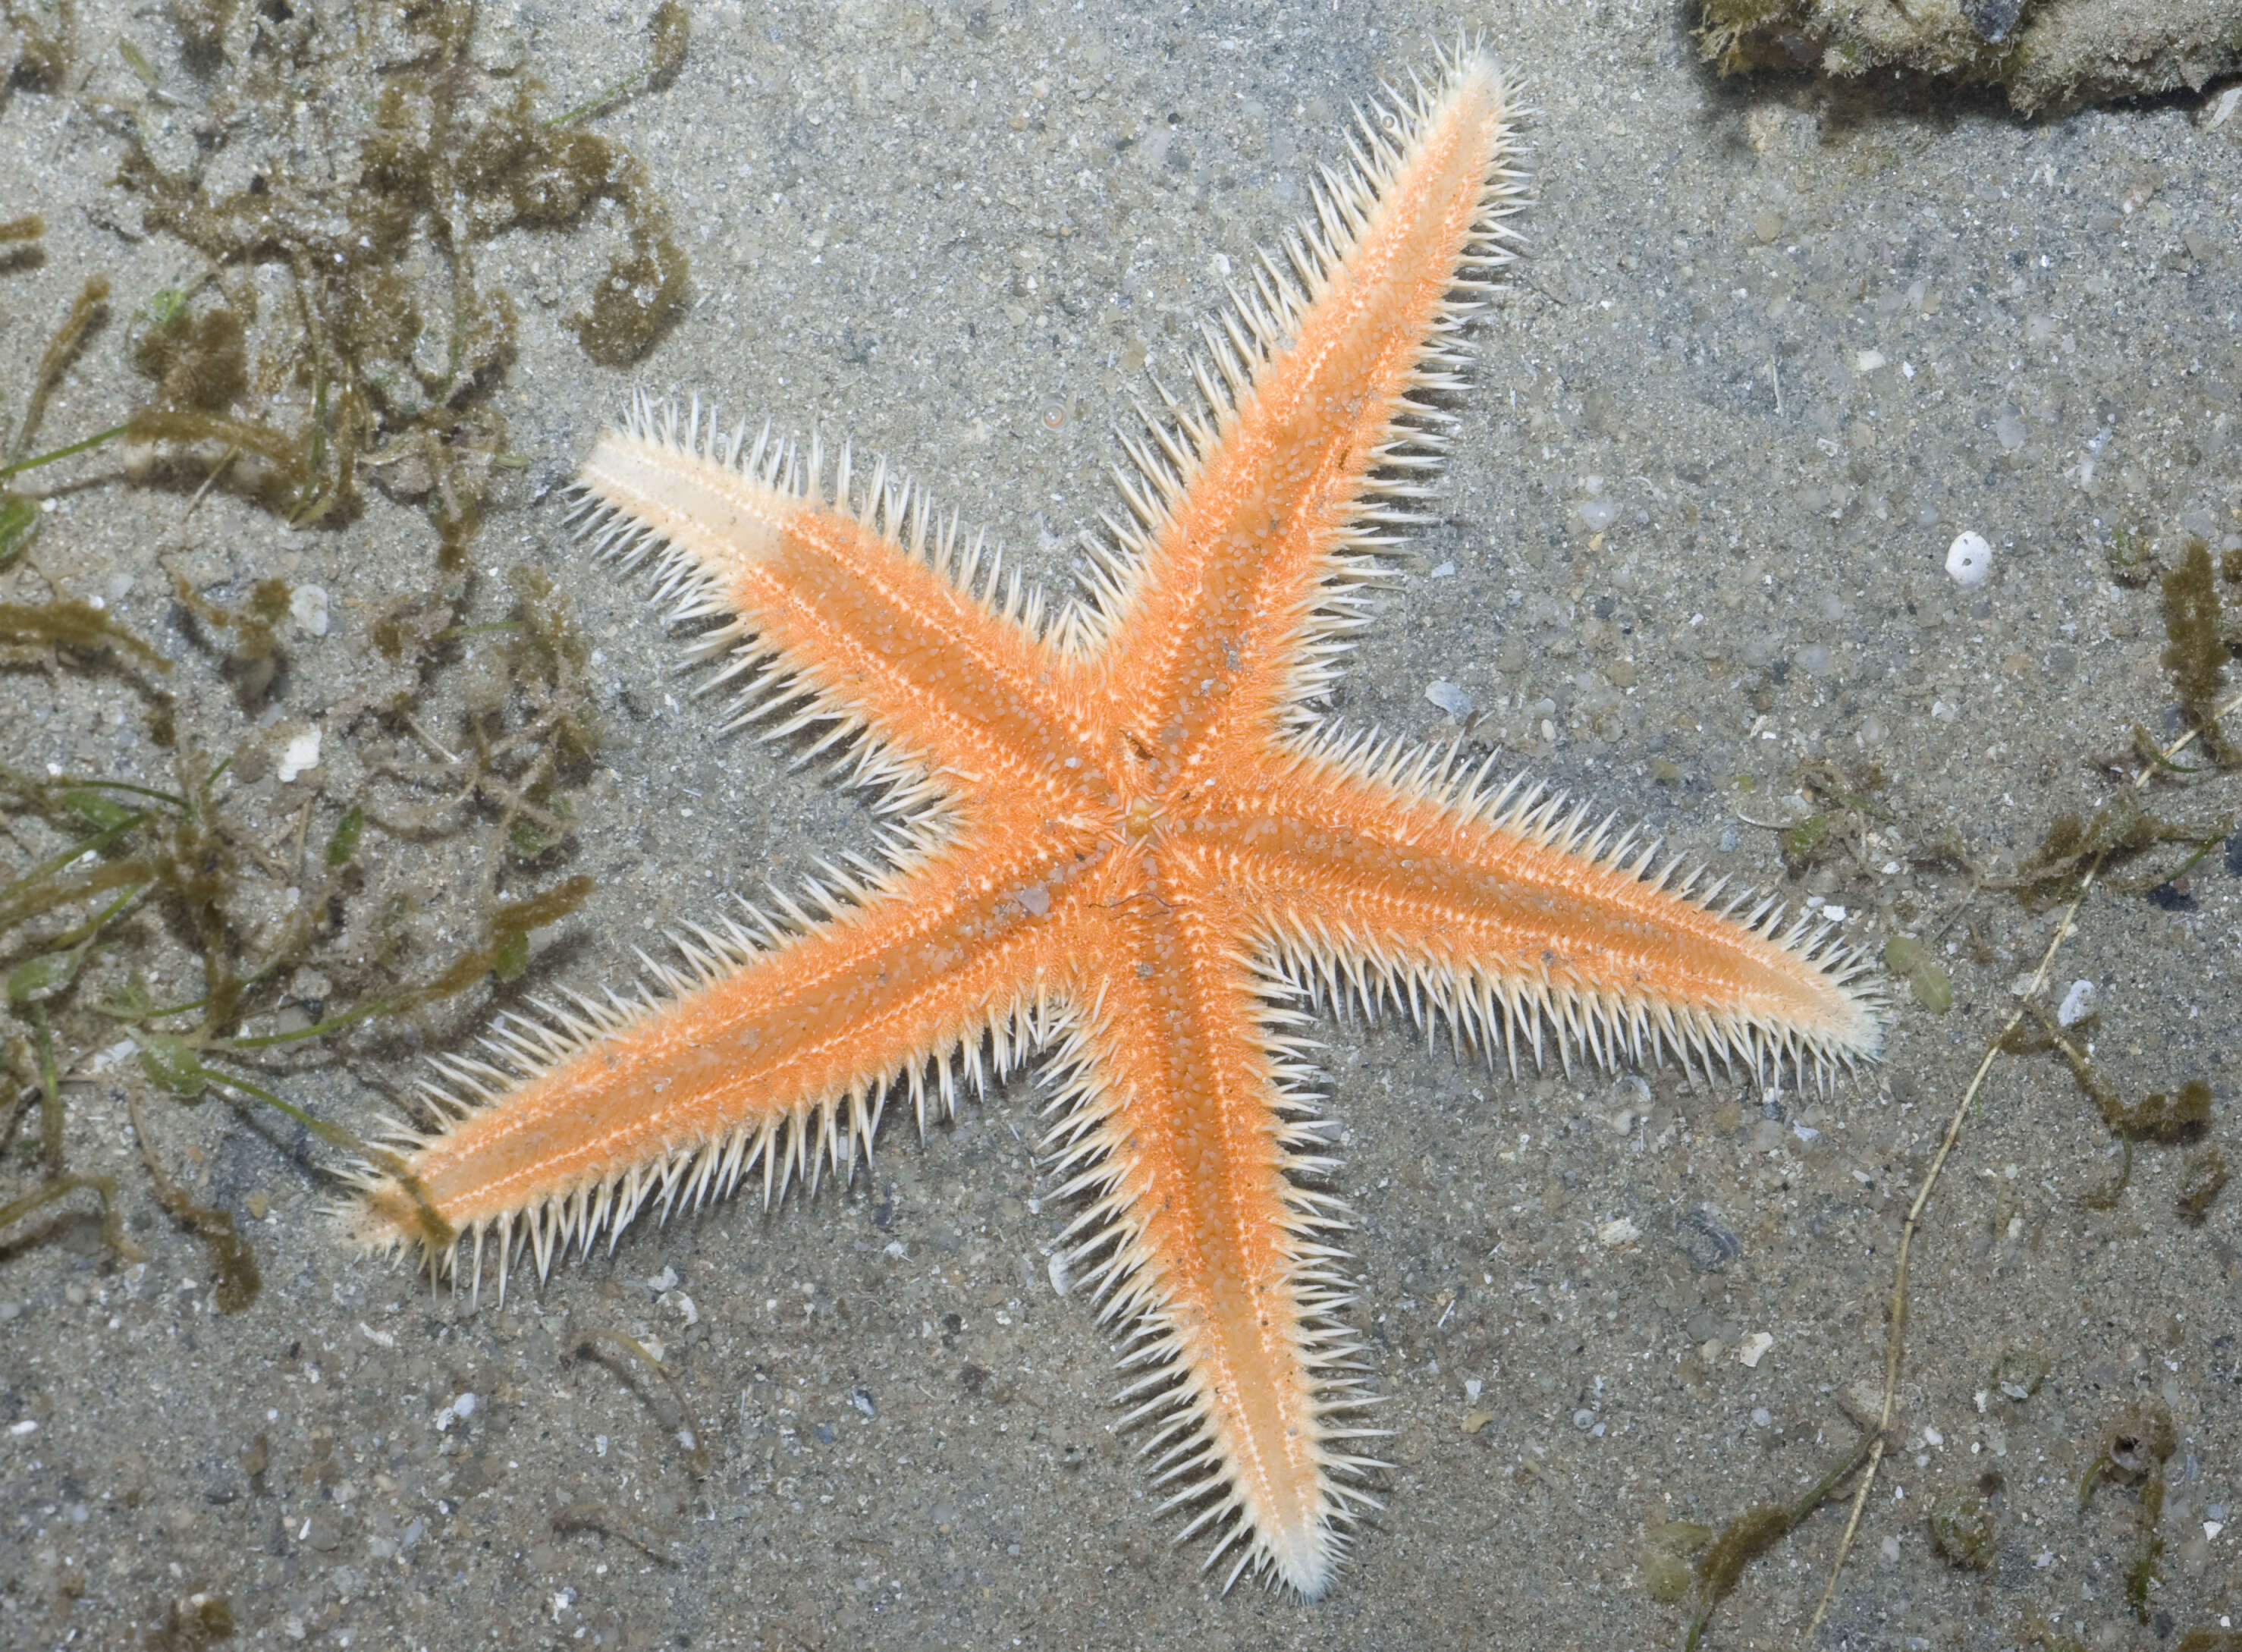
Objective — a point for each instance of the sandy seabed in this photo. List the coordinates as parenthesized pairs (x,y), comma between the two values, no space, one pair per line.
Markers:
(1776,344)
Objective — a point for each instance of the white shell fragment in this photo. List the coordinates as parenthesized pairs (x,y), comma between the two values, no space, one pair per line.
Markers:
(307,605)
(1450,699)
(1969,560)
(303,753)
(1615,1234)
(1754,1346)
(2077,1003)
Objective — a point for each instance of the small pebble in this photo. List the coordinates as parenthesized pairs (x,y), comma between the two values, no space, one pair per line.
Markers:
(1969,560)
(1584,1419)
(1597,514)
(308,608)
(303,753)
(1762,1416)
(1450,699)
(2077,1003)
(1754,1348)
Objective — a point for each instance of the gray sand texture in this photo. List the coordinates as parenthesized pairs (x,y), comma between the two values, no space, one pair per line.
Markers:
(1774,347)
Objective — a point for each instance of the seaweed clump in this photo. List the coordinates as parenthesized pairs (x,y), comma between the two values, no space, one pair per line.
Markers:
(2201,1183)
(216,901)
(2198,638)
(2195,649)
(382,357)
(1963,1530)
(2134,1449)
(1723,1556)
(2164,1118)
(275,948)
(35,39)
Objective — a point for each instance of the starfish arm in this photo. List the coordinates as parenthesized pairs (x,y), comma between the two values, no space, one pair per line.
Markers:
(1184,1119)
(863,625)
(1384,871)
(775,1042)
(1260,514)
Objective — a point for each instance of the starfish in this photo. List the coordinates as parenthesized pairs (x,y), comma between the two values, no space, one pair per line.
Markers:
(1125,834)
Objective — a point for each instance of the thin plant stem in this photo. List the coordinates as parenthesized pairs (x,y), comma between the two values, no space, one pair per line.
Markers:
(52,454)
(1895,1333)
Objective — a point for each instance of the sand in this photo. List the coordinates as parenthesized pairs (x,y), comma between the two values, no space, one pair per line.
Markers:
(1775,347)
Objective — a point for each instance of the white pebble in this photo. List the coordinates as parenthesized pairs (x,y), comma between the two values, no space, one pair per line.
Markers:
(1969,560)
(1755,1347)
(308,608)
(303,753)
(2077,1003)
(1449,698)
(1613,1234)
(1598,515)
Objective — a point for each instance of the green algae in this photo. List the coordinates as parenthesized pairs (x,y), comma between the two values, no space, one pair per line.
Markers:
(364,368)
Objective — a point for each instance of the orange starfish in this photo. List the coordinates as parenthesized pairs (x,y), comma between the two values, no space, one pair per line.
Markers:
(1128,838)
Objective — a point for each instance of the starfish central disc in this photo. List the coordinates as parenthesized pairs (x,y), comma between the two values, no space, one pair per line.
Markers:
(1127,835)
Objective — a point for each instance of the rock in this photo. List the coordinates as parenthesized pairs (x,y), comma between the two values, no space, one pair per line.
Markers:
(2057,54)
